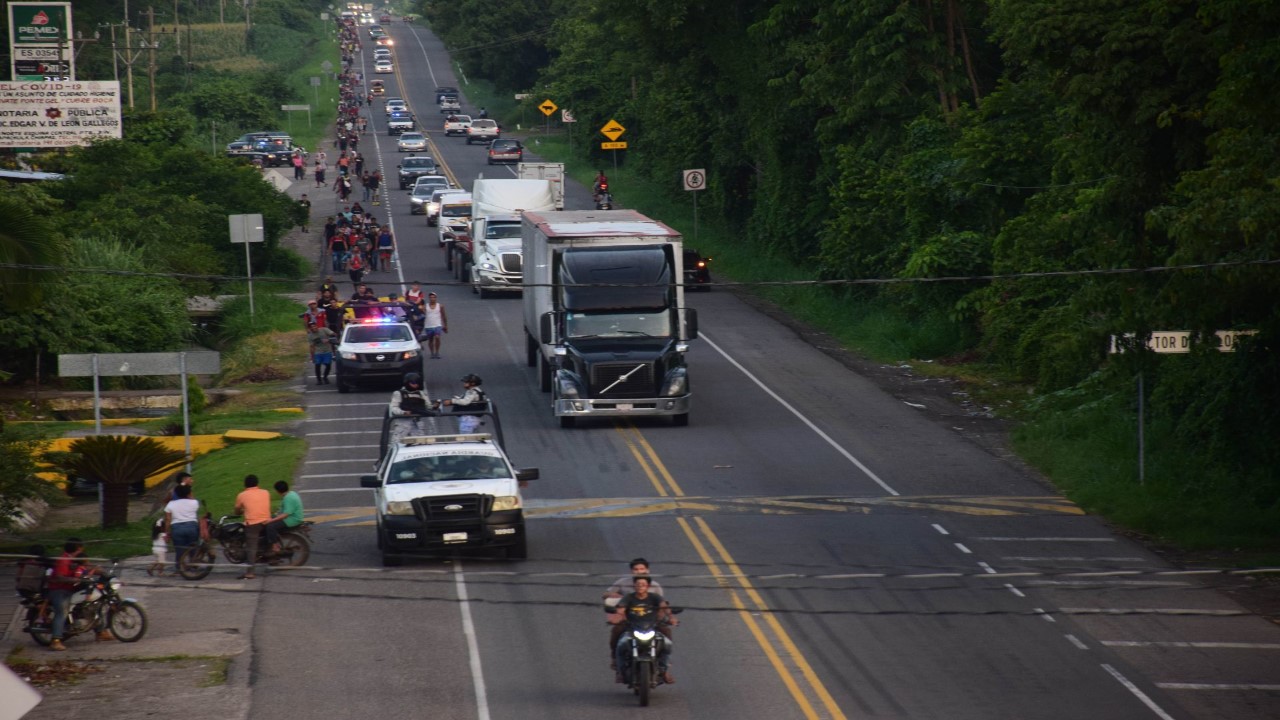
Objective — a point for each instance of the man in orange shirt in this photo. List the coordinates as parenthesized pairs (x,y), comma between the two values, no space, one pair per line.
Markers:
(255,504)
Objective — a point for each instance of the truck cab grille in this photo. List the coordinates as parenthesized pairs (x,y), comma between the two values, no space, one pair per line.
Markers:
(639,384)
(511,262)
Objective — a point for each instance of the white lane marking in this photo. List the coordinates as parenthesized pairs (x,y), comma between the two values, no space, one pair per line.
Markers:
(1044,615)
(1151,611)
(986,568)
(941,530)
(1146,700)
(1207,645)
(344,460)
(1051,558)
(348,432)
(963,549)
(1015,590)
(1045,539)
(1217,686)
(1110,583)
(430,70)
(1076,641)
(850,576)
(473,646)
(512,353)
(342,419)
(847,455)
(341,475)
(347,405)
(343,447)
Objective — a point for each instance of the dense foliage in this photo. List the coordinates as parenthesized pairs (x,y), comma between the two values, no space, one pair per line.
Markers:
(928,138)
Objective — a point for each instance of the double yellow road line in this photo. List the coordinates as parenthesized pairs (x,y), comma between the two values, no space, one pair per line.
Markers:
(797,675)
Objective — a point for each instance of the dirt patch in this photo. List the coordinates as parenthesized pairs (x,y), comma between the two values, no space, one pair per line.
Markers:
(132,688)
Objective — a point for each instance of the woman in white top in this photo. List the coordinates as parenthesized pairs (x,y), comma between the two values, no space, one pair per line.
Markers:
(182,522)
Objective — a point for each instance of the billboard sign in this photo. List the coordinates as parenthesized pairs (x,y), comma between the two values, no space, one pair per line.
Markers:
(40,41)
(58,114)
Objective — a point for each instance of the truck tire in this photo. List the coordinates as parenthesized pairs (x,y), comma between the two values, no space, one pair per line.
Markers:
(530,350)
(544,374)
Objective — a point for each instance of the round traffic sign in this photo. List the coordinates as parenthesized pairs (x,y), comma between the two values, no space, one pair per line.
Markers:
(695,179)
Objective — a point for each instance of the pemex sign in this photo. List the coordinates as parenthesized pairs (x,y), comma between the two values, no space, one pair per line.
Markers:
(40,40)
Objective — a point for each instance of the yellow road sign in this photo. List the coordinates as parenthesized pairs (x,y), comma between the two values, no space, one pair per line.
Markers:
(547,107)
(613,145)
(613,129)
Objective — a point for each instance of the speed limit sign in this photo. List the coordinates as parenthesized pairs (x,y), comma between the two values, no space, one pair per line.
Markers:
(695,179)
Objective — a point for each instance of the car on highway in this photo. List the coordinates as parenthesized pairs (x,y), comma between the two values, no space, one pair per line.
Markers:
(450,104)
(432,206)
(444,90)
(249,140)
(411,142)
(400,122)
(438,493)
(383,66)
(385,19)
(505,151)
(456,124)
(384,40)
(697,274)
(375,30)
(414,167)
(377,87)
(482,130)
(375,349)
(422,190)
(381,53)
(395,104)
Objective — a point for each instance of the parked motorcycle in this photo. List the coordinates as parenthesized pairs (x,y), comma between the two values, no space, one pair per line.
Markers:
(96,605)
(197,562)
(645,644)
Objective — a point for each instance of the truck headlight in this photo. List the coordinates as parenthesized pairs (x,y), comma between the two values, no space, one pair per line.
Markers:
(506,502)
(566,388)
(400,507)
(677,383)
(348,356)
(409,355)
(488,266)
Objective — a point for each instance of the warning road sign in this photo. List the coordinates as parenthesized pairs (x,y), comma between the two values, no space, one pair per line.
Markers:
(614,145)
(613,130)
(547,107)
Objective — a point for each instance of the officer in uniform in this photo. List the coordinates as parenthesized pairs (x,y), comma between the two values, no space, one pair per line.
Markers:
(409,401)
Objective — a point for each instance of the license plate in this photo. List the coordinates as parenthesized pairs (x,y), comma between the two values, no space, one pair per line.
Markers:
(455,537)
(626,406)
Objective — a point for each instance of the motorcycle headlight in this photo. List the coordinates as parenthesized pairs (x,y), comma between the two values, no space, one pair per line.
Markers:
(644,635)
(506,502)
(114,584)
(400,507)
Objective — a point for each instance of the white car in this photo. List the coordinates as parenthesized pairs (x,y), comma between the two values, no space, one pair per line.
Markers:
(411,142)
(395,104)
(382,53)
(376,350)
(384,66)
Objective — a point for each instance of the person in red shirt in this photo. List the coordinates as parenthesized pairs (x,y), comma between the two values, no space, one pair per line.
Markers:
(255,504)
(65,577)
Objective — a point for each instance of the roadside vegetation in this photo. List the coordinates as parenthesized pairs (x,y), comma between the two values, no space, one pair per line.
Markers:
(886,147)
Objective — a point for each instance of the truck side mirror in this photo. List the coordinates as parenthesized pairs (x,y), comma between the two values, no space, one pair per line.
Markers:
(546,328)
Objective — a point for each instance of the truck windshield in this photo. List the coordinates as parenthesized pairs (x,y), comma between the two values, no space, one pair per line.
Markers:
(439,468)
(457,210)
(495,232)
(582,325)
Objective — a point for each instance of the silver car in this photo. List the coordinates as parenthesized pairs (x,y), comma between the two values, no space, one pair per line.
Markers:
(423,190)
(411,142)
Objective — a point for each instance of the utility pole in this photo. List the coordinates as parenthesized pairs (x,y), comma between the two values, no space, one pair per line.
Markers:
(128,44)
(151,60)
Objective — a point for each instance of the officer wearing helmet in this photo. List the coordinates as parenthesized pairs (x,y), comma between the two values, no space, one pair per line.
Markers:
(472,397)
(409,401)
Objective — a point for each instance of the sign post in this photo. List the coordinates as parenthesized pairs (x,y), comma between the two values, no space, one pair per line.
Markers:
(1165,342)
(694,181)
(613,130)
(246,229)
(548,108)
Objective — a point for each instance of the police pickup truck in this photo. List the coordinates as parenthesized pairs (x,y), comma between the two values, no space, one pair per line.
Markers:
(437,490)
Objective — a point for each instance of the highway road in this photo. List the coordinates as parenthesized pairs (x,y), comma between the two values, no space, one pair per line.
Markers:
(840,555)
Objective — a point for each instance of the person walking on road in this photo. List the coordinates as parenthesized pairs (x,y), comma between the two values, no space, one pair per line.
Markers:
(182,522)
(319,173)
(305,204)
(322,341)
(255,504)
(436,325)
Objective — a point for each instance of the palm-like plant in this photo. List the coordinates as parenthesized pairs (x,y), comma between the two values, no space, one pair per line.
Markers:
(118,462)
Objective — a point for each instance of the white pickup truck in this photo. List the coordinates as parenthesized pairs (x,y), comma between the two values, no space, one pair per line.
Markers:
(457,124)
(485,131)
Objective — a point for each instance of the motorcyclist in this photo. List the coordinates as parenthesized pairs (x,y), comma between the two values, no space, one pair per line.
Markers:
(472,396)
(626,584)
(67,574)
(409,401)
(601,185)
(635,605)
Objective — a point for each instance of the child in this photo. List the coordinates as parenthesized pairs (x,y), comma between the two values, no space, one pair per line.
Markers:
(160,547)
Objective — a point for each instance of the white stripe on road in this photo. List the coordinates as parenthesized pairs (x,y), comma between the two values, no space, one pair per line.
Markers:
(1217,686)
(1113,583)
(344,460)
(1207,645)
(1045,539)
(344,419)
(341,475)
(1076,641)
(347,405)
(1050,558)
(473,646)
(1146,700)
(348,432)
(344,447)
(1150,611)
(847,455)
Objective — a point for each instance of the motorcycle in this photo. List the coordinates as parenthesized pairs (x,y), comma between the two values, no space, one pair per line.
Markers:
(197,562)
(95,605)
(604,201)
(639,666)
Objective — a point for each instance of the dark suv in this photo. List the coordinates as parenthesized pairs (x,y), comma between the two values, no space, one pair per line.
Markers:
(413,167)
(505,151)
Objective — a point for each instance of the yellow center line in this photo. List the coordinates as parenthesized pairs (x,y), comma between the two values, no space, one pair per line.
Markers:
(650,461)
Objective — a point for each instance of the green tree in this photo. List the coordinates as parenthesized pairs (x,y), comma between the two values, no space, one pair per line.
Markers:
(118,462)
